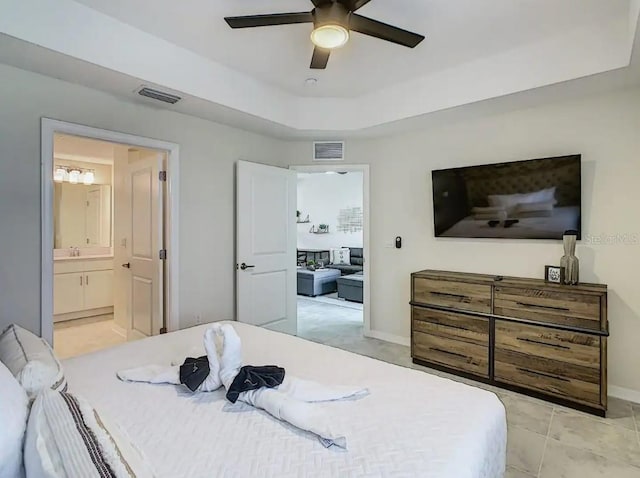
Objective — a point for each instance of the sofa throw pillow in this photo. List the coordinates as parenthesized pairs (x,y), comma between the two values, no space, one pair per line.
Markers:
(31,361)
(66,437)
(14,409)
(341,256)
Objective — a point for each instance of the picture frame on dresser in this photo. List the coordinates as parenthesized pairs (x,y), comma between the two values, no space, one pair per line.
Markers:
(539,338)
(554,274)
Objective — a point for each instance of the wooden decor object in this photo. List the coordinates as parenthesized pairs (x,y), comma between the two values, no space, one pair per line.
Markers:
(542,339)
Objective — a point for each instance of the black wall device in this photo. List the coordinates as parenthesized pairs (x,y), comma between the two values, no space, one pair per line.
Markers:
(398,242)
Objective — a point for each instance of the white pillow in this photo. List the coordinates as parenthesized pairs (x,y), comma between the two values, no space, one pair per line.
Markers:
(510,201)
(341,256)
(66,437)
(14,408)
(31,360)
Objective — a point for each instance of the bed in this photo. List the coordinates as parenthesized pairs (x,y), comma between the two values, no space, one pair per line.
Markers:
(411,424)
(563,218)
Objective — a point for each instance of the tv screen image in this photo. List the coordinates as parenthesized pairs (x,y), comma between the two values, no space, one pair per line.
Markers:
(532,199)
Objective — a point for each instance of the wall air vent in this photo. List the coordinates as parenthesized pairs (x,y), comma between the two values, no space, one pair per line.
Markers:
(159,95)
(328,150)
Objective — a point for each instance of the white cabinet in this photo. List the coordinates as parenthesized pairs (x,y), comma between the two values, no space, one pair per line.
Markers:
(98,289)
(67,293)
(82,286)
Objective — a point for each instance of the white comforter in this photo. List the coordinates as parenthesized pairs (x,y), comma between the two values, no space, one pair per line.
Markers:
(412,424)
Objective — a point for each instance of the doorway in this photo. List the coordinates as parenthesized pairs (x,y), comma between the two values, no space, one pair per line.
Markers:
(109,234)
(332,244)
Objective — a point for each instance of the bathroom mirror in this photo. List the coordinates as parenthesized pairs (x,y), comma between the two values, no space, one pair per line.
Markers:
(82,215)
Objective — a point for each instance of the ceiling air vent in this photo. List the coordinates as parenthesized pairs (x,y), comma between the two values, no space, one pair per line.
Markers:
(328,150)
(159,95)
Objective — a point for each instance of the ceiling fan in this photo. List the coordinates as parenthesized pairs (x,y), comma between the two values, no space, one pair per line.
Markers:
(333,20)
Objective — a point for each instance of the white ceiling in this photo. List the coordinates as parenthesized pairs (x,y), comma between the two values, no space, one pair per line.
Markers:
(457,31)
(475,51)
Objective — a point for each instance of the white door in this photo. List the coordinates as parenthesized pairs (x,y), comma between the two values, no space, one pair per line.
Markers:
(93,213)
(145,264)
(266,246)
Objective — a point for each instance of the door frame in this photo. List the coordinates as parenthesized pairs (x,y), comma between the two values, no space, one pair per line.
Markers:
(49,127)
(366,286)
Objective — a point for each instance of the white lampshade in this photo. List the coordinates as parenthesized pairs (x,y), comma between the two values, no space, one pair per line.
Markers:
(88,178)
(59,174)
(74,176)
(330,36)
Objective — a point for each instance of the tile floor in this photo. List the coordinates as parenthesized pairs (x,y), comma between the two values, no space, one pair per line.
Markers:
(81,336)
(544,440)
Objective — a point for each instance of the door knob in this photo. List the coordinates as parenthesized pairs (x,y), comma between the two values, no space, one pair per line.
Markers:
(127,265)
(244,266)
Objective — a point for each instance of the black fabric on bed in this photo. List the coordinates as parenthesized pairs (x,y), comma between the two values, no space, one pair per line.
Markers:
(251,378)
(194,371)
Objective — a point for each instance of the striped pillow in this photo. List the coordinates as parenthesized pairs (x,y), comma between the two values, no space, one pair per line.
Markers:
(31,361)
(67,438)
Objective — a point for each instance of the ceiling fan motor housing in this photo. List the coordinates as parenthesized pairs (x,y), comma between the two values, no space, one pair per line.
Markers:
(331,14)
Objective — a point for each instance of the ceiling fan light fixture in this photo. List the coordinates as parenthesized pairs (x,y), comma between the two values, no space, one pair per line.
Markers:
(330,36)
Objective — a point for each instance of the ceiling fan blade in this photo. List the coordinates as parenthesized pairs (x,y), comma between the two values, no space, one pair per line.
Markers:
(320,58)
(250,21)
(377,29)
(354,5)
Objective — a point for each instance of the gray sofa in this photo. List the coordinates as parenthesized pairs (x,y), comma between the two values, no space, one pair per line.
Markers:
(357,263)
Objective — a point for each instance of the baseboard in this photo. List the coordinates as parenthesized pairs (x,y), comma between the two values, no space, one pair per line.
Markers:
(83,314)
(624,393)
(121,331)
(396,339)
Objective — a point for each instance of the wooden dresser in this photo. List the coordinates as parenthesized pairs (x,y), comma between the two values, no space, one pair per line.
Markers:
(544,340)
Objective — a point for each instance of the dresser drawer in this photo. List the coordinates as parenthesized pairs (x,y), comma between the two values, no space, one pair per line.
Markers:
(456,295)
(565,364)
(569,347)
(551,378)
(450,325)
(456,354)
(545,305)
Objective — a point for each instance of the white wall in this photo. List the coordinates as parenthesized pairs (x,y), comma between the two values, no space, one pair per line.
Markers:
(605,129)
(322,196)
(208,153)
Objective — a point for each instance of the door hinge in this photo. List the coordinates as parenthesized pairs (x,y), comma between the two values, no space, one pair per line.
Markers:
(163,254)
(162,175)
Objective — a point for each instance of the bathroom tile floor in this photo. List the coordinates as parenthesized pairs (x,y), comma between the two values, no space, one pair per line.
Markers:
(81,336)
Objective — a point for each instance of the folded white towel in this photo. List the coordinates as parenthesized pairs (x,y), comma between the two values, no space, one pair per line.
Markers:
(292,401)
(171,374)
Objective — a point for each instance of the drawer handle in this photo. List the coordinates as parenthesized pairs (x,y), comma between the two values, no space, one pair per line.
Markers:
(457,327)
(446,294)
(551,307)
(533,341)
(548,375)
(448,352)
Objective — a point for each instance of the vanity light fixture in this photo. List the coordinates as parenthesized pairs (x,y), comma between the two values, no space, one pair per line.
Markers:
(59,174)
(88,177)
(74,176)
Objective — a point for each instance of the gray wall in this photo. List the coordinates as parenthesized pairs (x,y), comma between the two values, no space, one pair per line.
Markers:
(605,129)
(208,152)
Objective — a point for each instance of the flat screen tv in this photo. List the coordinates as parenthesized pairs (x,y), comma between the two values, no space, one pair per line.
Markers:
(533,199)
